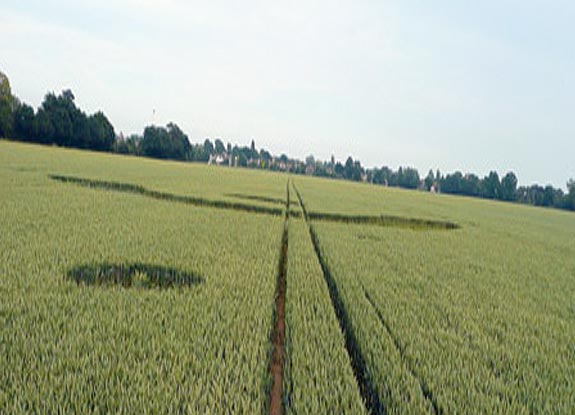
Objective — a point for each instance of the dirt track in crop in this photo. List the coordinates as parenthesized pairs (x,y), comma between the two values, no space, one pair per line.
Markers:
(278,359)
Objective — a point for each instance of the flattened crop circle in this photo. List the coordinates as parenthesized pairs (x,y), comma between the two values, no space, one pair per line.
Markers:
(136,275)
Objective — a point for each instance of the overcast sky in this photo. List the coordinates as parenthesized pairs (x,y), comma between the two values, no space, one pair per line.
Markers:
(446,84)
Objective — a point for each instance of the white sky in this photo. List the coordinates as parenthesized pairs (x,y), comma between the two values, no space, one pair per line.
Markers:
(443,84)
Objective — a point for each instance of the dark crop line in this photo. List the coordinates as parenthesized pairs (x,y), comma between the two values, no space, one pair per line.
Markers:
(366,385)
(257,198)
(303,208)
(190,200)
(133,274)
(382,220)
(288,201)
(279,332)
(427,392)
(385,220)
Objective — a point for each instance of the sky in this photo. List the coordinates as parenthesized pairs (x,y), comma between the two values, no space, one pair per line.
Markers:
(454,85)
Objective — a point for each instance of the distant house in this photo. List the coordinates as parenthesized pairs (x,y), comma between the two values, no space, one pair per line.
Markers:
(309,169)
(219,159)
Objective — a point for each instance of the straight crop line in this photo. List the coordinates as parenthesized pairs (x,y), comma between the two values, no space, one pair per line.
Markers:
(279,332)
(427,392)
(365,383)
(266,199)
(385,220)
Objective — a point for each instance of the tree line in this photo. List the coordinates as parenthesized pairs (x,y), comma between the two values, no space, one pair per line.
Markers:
(489,187)
(59,121)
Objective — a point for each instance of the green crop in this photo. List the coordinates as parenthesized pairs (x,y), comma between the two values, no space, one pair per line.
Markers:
(83,348)
(130,285)
(319,379)
(479,317)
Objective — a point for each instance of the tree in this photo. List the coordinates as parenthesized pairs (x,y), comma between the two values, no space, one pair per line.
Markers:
(208,147)
(310,160)
(6,107)
(549,197)
(491,186)
(429,179)
(101,134)
(348,168)
(24,122)
(59,121)
(242,159)
(179,142)
(339,169)
(166,143)
(358,171)
(220,149)
(59,110)
(82,133)
(509,187)
(571,194)
(265,156)
(321,169)
(438,180)
(471,185)
(453,183)
(154,142)
(128,145)
(43,128)
(408,178)
(377,176)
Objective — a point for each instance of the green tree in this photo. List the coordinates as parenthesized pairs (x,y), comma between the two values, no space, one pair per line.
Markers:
(491,187)
(429,179)
(408,178)
(6,107)
(165,143)
(509,187)
(571,194)
(68,123)
(128,145)
(310,160)
(220,148)
(154,142)
(453,183)
(471,185)
(101,132)
(208,147)
(43,128)
(253,152)
(348,168)
(24,119)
